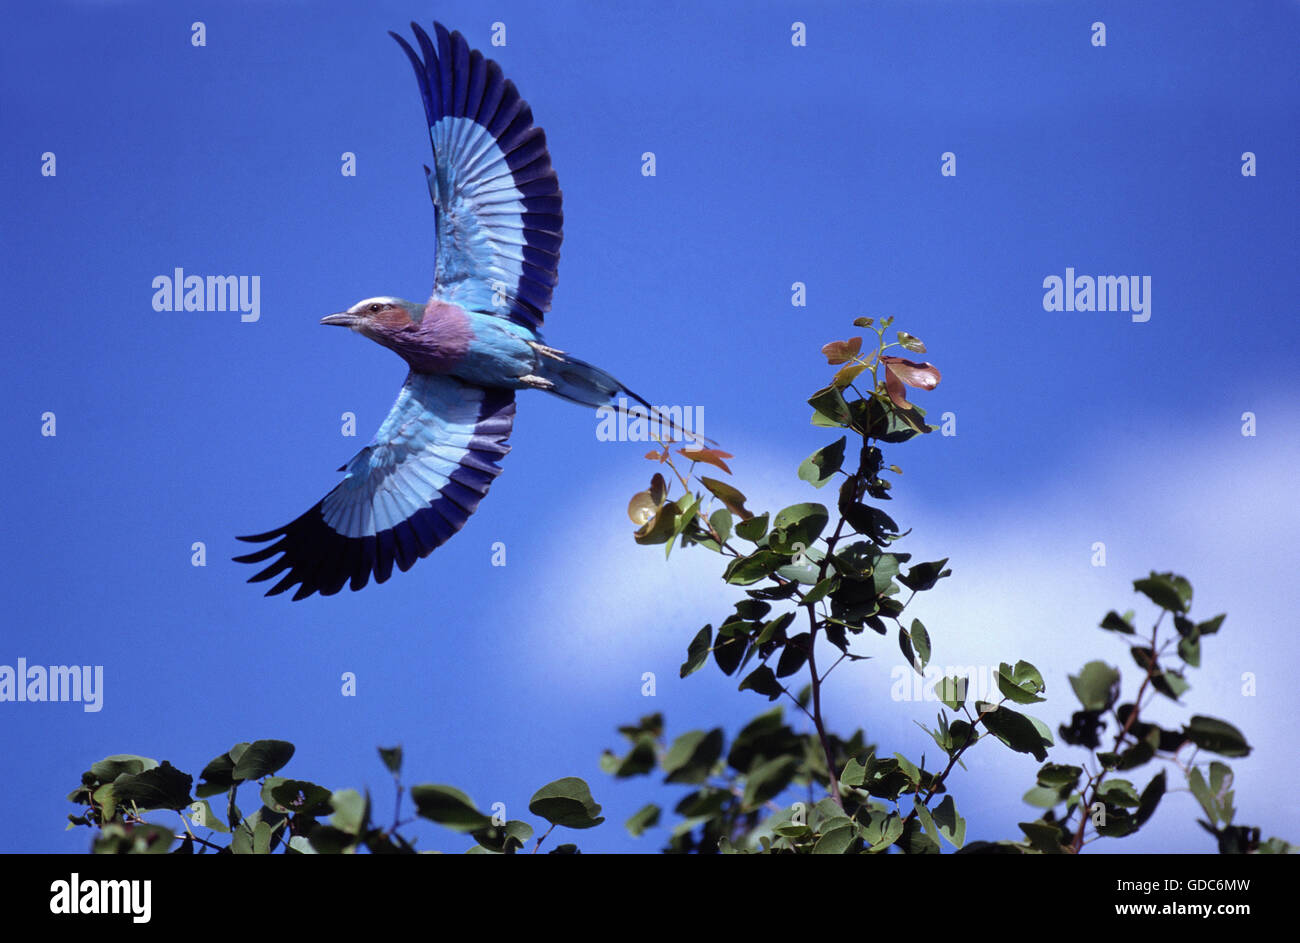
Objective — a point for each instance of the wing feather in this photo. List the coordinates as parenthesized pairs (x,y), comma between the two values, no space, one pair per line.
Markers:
(498,205)
(406,493)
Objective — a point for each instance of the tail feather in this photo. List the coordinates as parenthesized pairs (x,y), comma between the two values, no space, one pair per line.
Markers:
(580,382)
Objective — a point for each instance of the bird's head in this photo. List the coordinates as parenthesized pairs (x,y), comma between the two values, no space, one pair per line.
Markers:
(381,319)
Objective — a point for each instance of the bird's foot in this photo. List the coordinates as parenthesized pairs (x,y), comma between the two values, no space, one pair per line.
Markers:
(536,382)
(547,351)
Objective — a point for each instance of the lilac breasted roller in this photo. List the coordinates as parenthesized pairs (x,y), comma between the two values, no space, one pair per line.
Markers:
(477,339)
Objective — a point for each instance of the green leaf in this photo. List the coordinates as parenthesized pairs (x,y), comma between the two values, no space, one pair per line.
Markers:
(504,839)
(1210,626)
(905,646)
(878,418)
(830,405)
(449,807)
(1217,736)
(821,466)
(837,840)
(768,779)
(1114,622)
(1170,683)
(1169,592)
(1044,837)
(162,787)
(854,773)
(392,757)
(794,655)
(262,758)
(820,590)
(111,767)
(923,576)
(261,839)
(871,522)
(688,506)
(927,822)
(1139,754)
(296,796)
(1119,792)
(911,343)
(202,816)
(720,521)
(796,527)
(949,823)
(1020,732)
(891,829)
(1096,686)
(692,756)
(728,653)
(920,642)
(1151,797)
(729,496)
(845,376)
(1022,683)
(566,802)
(1196,782)
(808,570)
(219,775)
(646,817)
(1060,776)
(1044,797)
(639,760)
(351,812)
(910,769)
(758,565)
(698,652)
(753,528)
(775,629)
(952,691)
(762,681)
(1277,846)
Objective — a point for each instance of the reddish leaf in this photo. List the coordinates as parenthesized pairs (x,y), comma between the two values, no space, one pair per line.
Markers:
(923,376)
(711,456)
(842,351)
(897,392)
(657,456)
(658,489)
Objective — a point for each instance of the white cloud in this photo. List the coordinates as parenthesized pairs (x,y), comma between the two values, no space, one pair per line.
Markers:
(1221,512)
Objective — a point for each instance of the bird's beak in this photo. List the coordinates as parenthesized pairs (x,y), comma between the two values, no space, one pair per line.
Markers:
(343,319)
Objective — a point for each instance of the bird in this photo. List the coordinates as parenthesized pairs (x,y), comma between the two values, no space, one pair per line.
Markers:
(474,344)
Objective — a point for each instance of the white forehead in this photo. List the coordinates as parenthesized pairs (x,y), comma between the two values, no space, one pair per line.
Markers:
(367,302)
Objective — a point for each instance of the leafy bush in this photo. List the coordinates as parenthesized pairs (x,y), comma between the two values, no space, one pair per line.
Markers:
(810,574)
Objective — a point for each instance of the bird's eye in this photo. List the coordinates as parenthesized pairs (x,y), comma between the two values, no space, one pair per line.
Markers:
(374,308)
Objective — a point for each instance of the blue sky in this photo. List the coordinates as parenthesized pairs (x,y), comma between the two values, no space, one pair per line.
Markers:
(774,164)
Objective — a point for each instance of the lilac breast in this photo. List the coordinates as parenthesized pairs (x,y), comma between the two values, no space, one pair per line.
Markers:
(439,342)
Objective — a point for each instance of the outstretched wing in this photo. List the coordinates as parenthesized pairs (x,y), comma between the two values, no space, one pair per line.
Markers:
(408,491)
(496,198)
